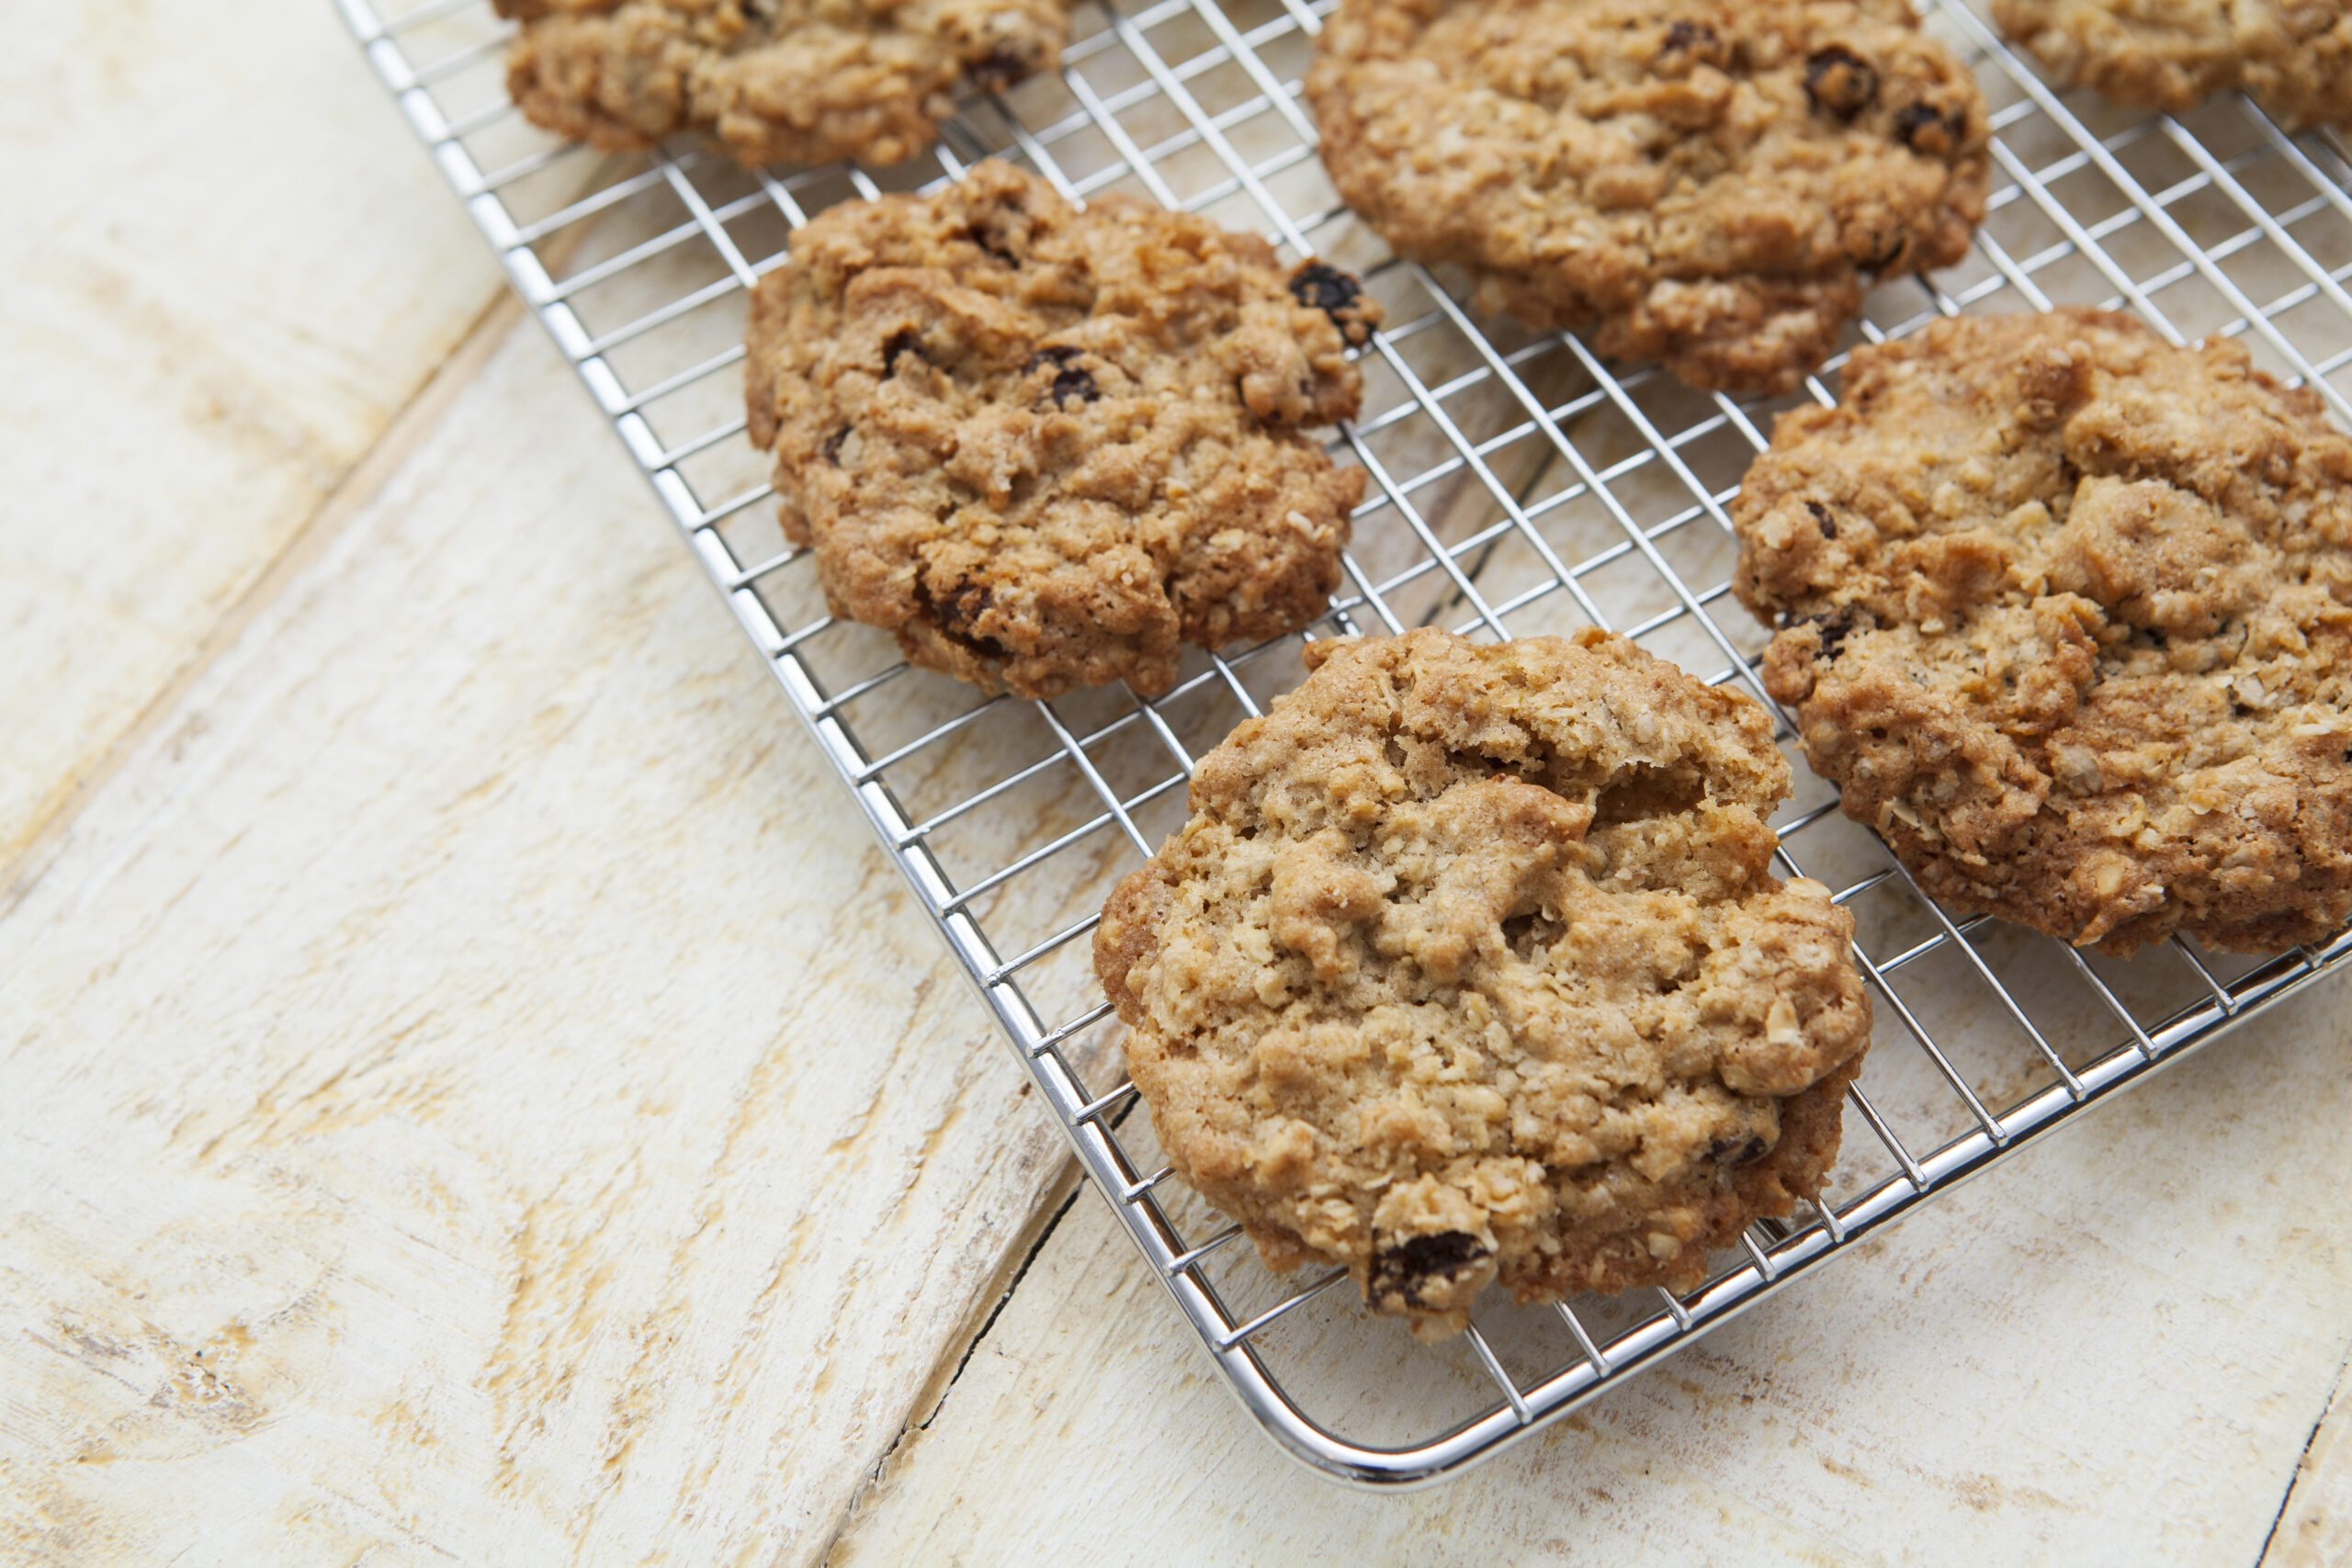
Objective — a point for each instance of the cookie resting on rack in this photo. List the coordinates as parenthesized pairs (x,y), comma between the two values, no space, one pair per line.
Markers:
(772,81)
(1044,446)
(2294,57)
(1468,967)
(2066,614)
(1707,183)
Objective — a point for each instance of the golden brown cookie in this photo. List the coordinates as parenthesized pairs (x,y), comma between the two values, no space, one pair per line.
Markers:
(1703,182)
(1469,967)
(2294,56)
(772,81)
(1046,446)
(2067,616)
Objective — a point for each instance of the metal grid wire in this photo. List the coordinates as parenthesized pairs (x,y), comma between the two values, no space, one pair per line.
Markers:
(1518,485)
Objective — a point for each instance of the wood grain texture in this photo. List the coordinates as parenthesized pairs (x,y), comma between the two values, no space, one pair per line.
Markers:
(469,1091)
(2108,1352)
(448,1115)
(228,268)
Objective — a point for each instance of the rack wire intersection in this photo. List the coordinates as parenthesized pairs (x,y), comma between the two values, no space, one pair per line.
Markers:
(1518,485)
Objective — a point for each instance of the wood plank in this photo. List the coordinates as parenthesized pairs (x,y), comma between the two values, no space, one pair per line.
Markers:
(2108,1351)
(449,1114)
(229,267)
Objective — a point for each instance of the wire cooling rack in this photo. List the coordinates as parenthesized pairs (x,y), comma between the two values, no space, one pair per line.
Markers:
(1518,485)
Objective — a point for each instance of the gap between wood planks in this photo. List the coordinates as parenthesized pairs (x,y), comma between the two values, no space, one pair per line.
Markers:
(1026,1248)
(956,1350)
(2327,1411)
(407,429)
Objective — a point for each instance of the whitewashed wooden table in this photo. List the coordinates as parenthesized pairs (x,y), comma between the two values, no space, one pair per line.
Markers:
(468,1090)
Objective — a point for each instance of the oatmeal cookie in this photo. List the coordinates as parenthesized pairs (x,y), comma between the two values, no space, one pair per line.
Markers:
(772,81)
(1469,968)
(1044,446)
(1702,182)
(2294,56)
(2067,616)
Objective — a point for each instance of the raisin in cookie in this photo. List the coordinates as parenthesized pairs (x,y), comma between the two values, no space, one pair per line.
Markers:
(1044,446)
(1468,967)
(1702,182)
(2068,619)
(773,81)
(2294,56)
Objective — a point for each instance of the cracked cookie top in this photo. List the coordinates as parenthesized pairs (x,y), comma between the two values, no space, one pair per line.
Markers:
(1702,182)
(2295,59)
(2067,616)
(1044,446)
(1468,967)
(772,81)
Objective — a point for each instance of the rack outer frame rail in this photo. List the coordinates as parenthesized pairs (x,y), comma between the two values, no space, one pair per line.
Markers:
(1090,1121)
